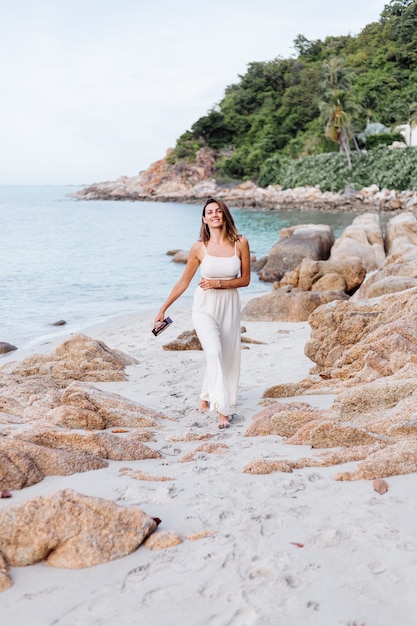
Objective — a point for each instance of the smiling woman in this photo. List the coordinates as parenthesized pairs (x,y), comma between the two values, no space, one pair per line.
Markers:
(224,259)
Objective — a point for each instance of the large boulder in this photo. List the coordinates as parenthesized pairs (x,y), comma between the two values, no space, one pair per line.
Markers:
(295,243)
(23,464)
(332,275)
(67,529)
(366,339)
(361,240)
(105,445)
(400,270)
(77,358)
(401,236)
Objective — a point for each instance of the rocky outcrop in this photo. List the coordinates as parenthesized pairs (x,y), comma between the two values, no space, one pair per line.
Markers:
(77,358)
(295,244)
(23,464)
(282,419)
(194,182)
(67,529)
(366,339)
(359,250)
(41,395)
(349,270)
(365,353)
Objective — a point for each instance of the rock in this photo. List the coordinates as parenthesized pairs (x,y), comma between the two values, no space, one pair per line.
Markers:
(322,275)
(296,243)
(77,358)
(102,444)
(6,347)
(163,539)
(203,534)
(288,390)
(23,464)
(194,182)
(181,256)
(259,264)
(207,448)
(382,285)
(139,475)
(399,458)
(190,437)
(329,434)
(361,240)
(365,339)
(380,486)
(378,395)
(67,529)
(59,323)
(400,270)
(281,419)
(82,405)
(288,305)
(187,340)
(401,235)
(264,466)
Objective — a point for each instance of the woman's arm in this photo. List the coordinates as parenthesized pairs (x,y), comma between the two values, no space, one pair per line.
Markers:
(244,278)
(183,283)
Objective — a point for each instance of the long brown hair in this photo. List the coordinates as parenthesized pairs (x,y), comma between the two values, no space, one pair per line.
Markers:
(229,224)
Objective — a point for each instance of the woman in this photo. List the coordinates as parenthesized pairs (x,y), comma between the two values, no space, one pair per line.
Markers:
(224,258)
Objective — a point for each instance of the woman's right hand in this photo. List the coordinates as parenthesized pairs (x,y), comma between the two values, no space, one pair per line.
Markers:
(159,318)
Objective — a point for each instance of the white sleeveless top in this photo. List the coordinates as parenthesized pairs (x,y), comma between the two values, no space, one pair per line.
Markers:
(221,267)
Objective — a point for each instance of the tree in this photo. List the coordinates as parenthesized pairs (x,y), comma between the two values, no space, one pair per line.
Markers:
(337,105)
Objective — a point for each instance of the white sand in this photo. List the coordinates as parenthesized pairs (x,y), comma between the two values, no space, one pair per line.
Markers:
(358,562)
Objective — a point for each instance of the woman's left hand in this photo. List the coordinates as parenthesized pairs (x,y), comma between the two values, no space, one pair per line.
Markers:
(205,284)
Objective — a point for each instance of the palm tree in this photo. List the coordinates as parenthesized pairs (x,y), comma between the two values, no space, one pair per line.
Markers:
(337,105)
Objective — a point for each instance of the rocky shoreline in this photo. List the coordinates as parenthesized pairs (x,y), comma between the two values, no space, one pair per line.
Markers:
(193,183)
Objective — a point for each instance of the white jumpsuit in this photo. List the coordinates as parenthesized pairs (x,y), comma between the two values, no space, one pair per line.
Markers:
(216,318)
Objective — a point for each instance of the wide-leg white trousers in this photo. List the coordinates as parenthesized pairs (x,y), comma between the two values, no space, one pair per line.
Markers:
(216,318)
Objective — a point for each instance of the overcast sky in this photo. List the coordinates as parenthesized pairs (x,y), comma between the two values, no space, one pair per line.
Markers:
(95,89)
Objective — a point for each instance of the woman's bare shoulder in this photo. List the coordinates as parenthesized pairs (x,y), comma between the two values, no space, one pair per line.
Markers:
(197,246)
(196,250)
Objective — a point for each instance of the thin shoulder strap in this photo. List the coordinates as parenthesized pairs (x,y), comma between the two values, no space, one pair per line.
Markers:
(205,249)
(235,248)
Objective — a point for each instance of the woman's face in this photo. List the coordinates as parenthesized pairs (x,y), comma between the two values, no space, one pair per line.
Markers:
(213,215)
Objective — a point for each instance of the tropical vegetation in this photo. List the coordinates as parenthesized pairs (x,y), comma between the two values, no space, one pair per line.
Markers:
(308,119)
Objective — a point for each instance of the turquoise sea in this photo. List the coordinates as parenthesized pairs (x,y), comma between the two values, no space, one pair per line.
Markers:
(87,261)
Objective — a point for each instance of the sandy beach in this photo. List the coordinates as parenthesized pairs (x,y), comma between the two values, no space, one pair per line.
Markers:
(258,550)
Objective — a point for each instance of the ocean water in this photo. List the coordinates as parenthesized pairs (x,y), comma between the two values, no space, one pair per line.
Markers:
(87,261)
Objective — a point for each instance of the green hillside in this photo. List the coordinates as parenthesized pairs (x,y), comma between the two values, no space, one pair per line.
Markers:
(308,119)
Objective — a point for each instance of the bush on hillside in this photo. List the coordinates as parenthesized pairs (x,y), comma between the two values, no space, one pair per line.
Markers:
(388,168)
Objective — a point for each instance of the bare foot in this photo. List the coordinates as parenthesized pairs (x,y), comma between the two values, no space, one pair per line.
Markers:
(223,421)
(204,406)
